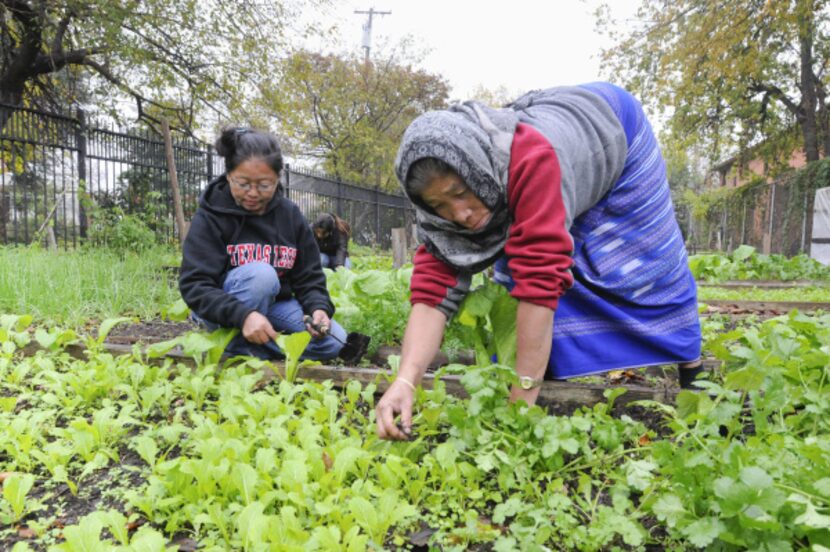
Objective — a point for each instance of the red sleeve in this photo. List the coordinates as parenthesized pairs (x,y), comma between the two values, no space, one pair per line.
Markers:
(539,246)
(437,284)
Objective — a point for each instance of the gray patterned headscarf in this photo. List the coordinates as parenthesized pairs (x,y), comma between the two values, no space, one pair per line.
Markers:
(474,140)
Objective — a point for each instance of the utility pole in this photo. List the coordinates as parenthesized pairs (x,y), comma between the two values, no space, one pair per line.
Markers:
(367,29)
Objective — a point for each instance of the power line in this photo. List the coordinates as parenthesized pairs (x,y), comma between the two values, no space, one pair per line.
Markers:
(367,29)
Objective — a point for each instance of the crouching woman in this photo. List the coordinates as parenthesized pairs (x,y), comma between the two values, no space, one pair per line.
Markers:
(250,260)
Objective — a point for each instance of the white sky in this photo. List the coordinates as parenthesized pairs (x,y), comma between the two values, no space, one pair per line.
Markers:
(518,44)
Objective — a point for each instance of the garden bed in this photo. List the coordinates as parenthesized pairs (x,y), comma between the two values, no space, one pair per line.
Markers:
(649,383)
(559,397)
(180,450)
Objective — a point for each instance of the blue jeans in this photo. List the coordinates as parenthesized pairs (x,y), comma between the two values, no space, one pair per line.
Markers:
(256,285)
(328,260)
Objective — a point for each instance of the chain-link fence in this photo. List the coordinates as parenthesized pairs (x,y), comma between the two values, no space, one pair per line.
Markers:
(56,170)
(774,217)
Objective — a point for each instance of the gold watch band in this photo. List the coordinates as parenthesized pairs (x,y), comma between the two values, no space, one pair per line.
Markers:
(526,382)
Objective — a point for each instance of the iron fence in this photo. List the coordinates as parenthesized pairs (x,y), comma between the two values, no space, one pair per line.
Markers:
(58,172)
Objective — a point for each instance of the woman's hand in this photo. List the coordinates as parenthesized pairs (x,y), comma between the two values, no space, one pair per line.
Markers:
(421,342)
(257,329)
(320,324)
(398,399)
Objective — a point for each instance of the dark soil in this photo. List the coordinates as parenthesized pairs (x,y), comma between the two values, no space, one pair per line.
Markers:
(147,332)
(738,310)
(100,490)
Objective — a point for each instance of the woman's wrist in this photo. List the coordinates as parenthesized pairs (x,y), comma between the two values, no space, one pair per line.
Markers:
(527,395)
(411,374)
(405,381)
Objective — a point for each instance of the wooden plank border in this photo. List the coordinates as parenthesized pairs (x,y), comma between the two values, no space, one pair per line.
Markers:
(553,394)
(768,305)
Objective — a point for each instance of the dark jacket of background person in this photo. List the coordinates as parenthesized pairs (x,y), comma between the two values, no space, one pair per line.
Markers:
(224,236)
(336,244)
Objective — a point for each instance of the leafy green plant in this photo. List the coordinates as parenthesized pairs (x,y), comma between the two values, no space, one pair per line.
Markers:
(490,312)
(97,343)
(119,231)
(15,489)
(744,263)
(205,349)
(239,464)
(177,312)
(55,338)
(293,346)
(372,302)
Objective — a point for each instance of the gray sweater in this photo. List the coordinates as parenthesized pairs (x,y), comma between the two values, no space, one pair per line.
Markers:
(588,139)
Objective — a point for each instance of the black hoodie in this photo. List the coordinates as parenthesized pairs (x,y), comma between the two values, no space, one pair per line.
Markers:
(336,244)
(224,236)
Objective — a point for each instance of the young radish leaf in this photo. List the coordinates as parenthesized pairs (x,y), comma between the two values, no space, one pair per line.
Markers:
(293,346)
(15,489)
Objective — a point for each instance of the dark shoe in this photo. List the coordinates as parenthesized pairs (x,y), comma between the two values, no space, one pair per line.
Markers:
(687,376)
(354,348)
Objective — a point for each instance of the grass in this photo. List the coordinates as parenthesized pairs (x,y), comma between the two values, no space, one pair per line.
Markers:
(807,294)
(74,287)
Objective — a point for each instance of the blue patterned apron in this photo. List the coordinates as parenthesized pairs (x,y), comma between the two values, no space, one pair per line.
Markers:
(634,300)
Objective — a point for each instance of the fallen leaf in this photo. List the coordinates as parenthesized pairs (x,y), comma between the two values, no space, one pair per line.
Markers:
(186,544)
(327,461)
(135,524)
(26,533)
(615,375)
(57,523)
(644,440)
(421,538)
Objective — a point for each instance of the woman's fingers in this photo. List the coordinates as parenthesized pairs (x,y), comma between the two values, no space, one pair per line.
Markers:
(397,400)
(320,325)
(387,429)
(384,413)
(258,329)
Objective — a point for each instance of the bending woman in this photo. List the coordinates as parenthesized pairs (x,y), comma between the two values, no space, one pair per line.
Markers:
(250,260)
(332,234)
(565,191)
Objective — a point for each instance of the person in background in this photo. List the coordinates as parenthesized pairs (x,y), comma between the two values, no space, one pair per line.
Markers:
(250,260)
(565,192)
(332,234)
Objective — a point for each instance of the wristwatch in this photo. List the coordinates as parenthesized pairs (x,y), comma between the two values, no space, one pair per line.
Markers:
(526,382)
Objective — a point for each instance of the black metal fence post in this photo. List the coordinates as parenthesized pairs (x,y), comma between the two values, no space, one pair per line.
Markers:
(339,200)
(83,188)
(377,214)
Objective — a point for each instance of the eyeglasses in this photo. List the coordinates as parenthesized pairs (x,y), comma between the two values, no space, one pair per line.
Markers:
(262,186)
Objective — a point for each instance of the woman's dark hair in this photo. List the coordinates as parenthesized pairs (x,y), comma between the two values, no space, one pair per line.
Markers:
(238,144)
(330,221)
(423,171)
